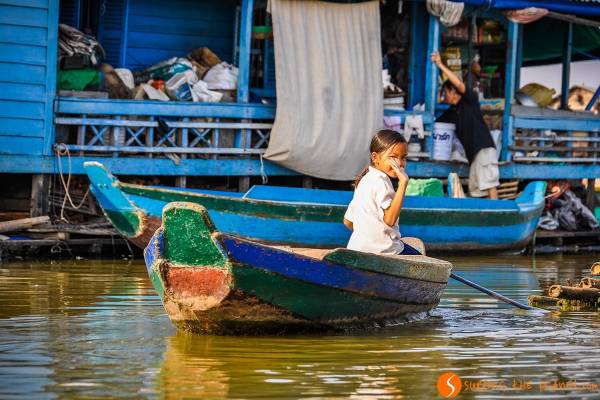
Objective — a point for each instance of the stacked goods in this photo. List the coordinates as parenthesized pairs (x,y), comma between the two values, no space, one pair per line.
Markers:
(584,296)
(199,77)
(452,59)
(73,43)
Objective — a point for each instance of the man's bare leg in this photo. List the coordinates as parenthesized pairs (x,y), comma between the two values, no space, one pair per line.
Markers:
(493,193)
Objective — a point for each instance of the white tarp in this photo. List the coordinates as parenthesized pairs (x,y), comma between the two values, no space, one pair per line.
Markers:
(329,94)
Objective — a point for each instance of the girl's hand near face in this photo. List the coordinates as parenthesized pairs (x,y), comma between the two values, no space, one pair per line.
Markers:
(399,171)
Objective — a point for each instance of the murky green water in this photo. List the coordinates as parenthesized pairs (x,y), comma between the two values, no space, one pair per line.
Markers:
(96,330)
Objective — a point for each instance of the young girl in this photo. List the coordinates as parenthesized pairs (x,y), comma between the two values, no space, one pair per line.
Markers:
(373,213)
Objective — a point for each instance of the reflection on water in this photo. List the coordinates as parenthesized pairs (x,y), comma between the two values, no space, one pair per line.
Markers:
(96,329)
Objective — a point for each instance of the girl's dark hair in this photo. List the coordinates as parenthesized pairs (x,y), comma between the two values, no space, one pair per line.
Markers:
(383,140)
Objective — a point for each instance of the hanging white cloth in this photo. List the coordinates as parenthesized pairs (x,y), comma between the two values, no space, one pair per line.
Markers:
(449,12)
(329,95)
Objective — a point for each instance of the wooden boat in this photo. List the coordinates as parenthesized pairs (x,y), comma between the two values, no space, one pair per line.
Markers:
(211,282)
(313,218)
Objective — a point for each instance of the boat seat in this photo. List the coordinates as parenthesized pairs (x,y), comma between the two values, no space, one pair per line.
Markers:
(307,252)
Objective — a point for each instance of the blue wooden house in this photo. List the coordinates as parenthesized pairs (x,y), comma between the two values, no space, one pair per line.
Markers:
(125,134)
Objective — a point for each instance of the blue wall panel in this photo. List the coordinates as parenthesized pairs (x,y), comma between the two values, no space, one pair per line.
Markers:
(31,145)
(28,32)
(158,29)
(111,25)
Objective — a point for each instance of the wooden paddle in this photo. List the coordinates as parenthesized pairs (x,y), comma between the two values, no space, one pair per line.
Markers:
(493,294)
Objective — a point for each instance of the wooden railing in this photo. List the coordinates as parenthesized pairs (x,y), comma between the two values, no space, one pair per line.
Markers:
(554,136)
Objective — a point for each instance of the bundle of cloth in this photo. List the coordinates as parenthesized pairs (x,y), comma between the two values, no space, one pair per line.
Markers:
(72,42)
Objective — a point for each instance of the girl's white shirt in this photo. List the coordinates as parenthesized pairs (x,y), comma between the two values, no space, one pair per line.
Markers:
(371,234)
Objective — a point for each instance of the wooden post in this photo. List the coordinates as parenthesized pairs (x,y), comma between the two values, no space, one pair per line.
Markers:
(590,198)
(595,269)
(40,187)
(590,283)
(181,181)
(22,224)
(307,182)
(510,82)
(566,66)
(243,184)
(431,73)
(574,293)
(242,136)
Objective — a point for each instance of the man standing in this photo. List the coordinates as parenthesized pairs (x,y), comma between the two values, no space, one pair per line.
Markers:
(472,132)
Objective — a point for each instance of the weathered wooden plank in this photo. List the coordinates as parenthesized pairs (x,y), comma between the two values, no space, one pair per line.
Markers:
(22,73)
(574,293)
(25,35)
(162,150)
(547,113)
(26,16)
(172,124)
(564,124)
(594,159)
(413,267)
(22,127)
(188,231)
(27,3)
(22,54)
(22,91)
(174,109)
(20,145)
(22,224)
(22,109)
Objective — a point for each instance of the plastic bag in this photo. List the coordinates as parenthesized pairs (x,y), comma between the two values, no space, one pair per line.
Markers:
(126,76)
(164,70)
(180,84)
(200,92)
(222,76)
(425,187)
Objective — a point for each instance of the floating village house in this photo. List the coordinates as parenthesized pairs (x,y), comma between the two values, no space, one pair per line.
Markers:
(228,138)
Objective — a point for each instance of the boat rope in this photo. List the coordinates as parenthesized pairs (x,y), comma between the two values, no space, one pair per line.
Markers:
(263,174)
(61,149)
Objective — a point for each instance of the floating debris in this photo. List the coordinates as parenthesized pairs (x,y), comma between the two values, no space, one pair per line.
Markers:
(583,297)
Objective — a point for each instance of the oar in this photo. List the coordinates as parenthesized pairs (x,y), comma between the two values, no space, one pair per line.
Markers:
(492,293)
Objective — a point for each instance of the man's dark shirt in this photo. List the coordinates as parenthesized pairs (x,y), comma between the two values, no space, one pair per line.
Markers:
(471,129)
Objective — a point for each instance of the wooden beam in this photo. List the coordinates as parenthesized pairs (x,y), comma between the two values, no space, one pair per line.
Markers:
(566,66)
(573,19)
(22,224)
(245,41)
(590,199)
(40,187)
(431,72)
(512,55)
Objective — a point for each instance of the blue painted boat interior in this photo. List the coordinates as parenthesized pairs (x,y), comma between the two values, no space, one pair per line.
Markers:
(298,195)
(201,191)
(322,272)
(301,195)
(533,193)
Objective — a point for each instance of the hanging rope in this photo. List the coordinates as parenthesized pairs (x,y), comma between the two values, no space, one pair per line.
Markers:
(263,174)
(61,149)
